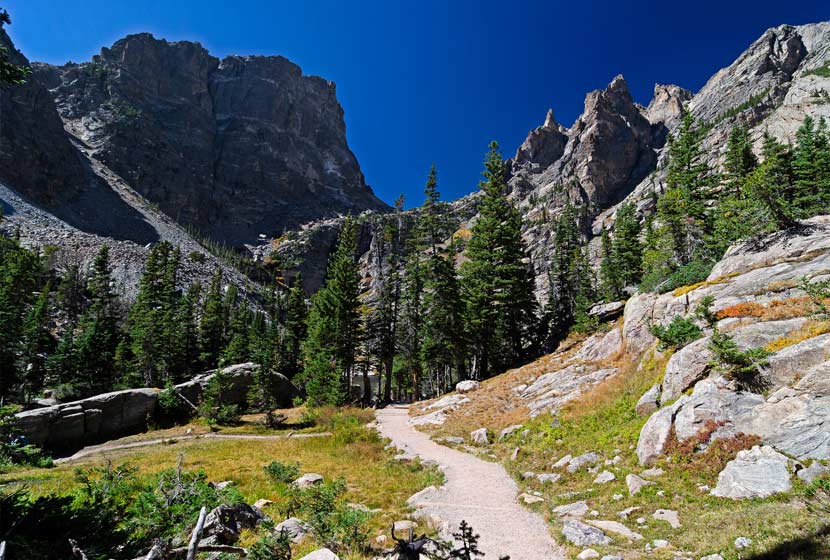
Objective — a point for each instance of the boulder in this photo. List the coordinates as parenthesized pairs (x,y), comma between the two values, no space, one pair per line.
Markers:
(607,311)
(586,459)
(587,554)
(321,554)
(813,472)
(294,528)
(552,390)
(509,431)
(687,366)
(605,477)
(710,402)
(649,402)
(794,422)
(548,477)
(308,480)
(755,473)
(617,528)
(669,516)
(638,316)
(600,347)
(467,386)
(479,436)
(581,534)
(635,484)
(530,499)
(655,432)
(788,365)
(576,509)
(226,522)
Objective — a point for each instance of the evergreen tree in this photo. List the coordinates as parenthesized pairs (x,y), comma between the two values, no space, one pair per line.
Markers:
(572,291)
(805,168)
(212,324)
(626,247)
(294,330)
(611,283)
(500,304)
(682,209)
(329,348)
(98,337)
(37,343)
(740,159)
(152,329)
(70,293)
(239,346)
(10,73)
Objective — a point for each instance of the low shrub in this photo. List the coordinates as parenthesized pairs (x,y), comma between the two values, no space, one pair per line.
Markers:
(665,280)
(282,472)
(14,448)
(677,334)
(743,366)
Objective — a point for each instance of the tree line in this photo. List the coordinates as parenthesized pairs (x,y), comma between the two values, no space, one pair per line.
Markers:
(445,305)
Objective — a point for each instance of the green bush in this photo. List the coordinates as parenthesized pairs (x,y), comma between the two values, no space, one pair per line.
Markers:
(743,366)
(332,520)
(664,280)
(14,450)
(212,406)
(172,409)
(275,546)
(282,472)
(677,334)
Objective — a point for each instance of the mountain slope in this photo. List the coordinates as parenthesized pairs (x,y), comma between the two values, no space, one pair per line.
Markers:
(236,147)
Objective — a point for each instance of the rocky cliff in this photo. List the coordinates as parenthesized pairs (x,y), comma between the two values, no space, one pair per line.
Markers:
(237,147)
(613,151)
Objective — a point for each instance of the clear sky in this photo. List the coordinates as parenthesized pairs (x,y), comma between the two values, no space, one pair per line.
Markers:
(435,80)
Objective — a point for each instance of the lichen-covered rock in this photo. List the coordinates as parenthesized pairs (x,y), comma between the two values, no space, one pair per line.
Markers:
(582,534)
(225,523)
(755,473)
(649,402)
(655,432)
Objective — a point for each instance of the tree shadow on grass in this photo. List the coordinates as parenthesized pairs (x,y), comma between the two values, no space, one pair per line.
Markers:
(812,547)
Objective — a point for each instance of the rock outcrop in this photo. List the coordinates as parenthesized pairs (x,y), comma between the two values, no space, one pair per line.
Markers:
(236,147)
(66,427)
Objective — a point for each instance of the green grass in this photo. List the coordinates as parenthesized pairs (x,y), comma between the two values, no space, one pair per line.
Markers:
(354,453)
(604,421)
(822,71)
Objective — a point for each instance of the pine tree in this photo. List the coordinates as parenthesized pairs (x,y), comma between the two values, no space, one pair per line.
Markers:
(152,329)
(770,184)
(294,330)
(212,324)
(98,337)
(682,209)
(37,343)
(239,345)
(499,299)
(740,159)
(805,167)
(329,348)
(626,247)
(611,283)
(560,310)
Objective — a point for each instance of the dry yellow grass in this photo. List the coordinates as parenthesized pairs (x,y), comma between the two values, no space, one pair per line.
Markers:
(683,290)
(373,478)
(810,329)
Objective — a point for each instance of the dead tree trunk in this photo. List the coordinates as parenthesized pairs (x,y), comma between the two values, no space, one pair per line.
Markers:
(197,535)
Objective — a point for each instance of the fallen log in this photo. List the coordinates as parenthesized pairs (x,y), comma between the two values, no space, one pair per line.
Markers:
(197,534)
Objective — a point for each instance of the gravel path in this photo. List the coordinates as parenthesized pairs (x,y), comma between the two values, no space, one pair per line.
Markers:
(477,491)
(116,446)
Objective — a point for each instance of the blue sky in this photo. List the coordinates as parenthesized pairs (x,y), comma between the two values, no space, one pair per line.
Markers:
(435,80)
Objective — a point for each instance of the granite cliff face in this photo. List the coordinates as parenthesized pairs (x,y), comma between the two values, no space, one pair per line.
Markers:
(236,147)
(35,153)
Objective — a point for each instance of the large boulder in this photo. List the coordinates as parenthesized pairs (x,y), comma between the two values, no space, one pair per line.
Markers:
(601,347)
(685,368)
(240,377)
(69,426)
(755,473)
(711,403)
(225,523)
(788,366)
(656,431)
(794,422)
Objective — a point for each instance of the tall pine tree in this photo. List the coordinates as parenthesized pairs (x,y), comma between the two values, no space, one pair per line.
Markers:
(499,299)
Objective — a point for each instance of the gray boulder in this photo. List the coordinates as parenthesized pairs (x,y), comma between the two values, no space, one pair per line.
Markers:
(655,432)
(582,534)
(467,386)
(584,460)
(813,472)
(294,528)
(689,365)
(308,480)
(479,436)
(649,402)
(321,554)
(755,473)
(635,484)
(225,523)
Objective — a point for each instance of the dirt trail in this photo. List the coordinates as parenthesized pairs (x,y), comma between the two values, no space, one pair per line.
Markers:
(477,491)
(116,445)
